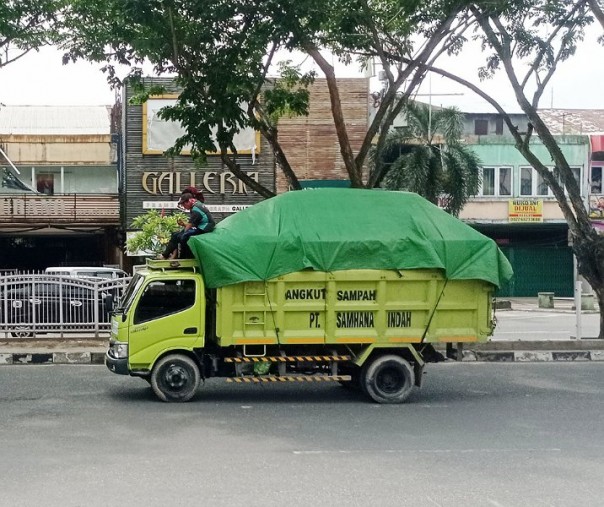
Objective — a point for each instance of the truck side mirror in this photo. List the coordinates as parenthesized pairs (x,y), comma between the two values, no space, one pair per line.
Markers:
(108,303)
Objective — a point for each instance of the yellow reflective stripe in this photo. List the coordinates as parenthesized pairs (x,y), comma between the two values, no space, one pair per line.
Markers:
(290,378)
(283,359)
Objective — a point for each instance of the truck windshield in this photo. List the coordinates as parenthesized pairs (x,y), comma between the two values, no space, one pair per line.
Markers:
(129,293)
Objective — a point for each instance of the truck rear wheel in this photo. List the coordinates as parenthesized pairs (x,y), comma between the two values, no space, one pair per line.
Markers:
(175,378)
(388,379)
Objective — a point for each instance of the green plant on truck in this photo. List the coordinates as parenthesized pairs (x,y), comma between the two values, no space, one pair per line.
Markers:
(353,286)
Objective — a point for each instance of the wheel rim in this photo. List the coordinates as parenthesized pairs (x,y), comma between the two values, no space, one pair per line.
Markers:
(390,380)
(176,378)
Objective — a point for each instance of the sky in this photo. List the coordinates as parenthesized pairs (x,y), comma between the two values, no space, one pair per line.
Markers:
(39,78)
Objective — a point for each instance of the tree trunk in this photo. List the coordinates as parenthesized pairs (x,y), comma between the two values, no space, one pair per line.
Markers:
(600,295)
(589,252)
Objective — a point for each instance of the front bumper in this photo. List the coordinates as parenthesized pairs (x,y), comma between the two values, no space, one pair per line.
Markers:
(119,366)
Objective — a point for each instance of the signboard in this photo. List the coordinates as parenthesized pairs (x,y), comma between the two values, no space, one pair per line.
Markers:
(525,210)
(596,206)
(160,135)
(214,208)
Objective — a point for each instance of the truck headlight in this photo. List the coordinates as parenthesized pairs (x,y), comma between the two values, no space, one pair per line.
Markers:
(119,350)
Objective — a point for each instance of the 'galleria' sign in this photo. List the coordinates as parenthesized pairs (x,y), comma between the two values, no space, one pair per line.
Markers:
(212,182)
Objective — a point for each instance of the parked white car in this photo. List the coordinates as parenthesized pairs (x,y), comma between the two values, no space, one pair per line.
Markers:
(86,272)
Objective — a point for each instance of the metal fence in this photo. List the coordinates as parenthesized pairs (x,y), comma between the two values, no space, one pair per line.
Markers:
(38,305)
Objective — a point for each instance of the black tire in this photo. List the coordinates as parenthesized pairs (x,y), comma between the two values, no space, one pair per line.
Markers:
(388,379)
(175,378)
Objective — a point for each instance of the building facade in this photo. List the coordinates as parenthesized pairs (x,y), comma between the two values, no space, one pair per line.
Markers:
(151,180)
(517,209)
(311,142)
(59,189)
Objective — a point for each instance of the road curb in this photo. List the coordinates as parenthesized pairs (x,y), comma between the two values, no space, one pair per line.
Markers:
(531,356)
(37,358)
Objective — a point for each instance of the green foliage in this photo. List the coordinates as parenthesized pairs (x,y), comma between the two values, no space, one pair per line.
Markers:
(154,233)
(27,25)
(289,95)
(220,53)
(429,159)
(216,51)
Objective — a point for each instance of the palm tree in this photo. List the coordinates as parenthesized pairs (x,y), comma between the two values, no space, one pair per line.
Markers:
(428,157)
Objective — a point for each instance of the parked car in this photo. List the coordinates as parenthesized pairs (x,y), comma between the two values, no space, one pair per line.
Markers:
(86,272)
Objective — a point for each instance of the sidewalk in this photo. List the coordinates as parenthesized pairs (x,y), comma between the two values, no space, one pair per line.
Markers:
(530,346)
(562,305)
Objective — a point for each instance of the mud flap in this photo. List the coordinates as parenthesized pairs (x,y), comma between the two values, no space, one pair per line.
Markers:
(418,369)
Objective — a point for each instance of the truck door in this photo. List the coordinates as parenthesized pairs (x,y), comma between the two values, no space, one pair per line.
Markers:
(169,314)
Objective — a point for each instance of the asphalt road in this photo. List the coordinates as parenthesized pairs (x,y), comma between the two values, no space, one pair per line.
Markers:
(476,434)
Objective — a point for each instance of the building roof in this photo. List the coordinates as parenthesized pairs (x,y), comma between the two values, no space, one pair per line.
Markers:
(55,120)
(573,121)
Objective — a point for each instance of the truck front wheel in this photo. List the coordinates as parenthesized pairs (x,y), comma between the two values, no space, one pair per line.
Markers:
(175,378)
(388,379)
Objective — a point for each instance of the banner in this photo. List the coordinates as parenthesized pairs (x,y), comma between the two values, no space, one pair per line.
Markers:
(525,210)
(159,134)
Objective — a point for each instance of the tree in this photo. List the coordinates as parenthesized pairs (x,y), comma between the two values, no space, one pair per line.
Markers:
(527,42)
(221,53)
(26,25)
(519,33)
(154,233)
(597,8)
(430,159)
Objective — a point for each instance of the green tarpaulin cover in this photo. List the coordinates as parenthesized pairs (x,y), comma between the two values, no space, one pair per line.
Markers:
(333,229)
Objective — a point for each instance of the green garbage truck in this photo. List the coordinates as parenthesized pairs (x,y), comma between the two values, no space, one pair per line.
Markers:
(344,285)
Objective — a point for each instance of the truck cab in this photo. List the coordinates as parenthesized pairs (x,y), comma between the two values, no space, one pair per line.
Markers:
(162,309)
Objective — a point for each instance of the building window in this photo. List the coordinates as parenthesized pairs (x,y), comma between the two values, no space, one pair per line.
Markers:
(499,126)
(526,181)
(542,188)
(45,183)
(497,181)
(481,127)
(533,184)
(596,180)
(577,174)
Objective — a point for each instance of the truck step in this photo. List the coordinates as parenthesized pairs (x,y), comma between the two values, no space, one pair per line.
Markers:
(289,378)
(285,359)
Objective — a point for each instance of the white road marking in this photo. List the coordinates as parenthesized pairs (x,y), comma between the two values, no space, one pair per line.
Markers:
(425,451)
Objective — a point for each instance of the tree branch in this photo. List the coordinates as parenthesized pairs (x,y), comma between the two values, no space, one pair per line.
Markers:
(236,170)
(598,11)
(520,144)
(579,216)
(391,93)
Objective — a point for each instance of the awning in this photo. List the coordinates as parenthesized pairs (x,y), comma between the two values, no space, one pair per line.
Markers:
(597,143)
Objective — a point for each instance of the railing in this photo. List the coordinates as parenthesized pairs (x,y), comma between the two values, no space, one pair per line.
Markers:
(38,304)
(89,209)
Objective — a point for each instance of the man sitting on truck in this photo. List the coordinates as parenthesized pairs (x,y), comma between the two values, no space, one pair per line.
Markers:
(200,222)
